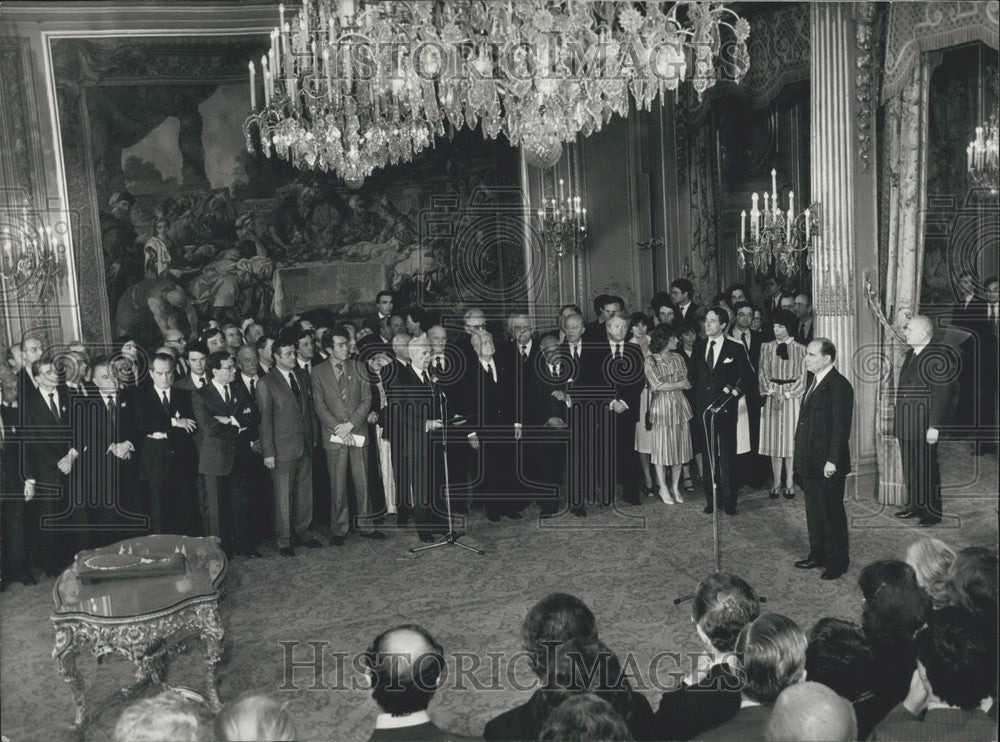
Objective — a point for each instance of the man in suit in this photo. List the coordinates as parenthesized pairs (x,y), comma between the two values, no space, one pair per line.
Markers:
(76,369)
(583,476)
(810,710)
(50,457)
(287,439)
(773,652)
(32,347)
(617,377)
(16,541)
(473,321)
(196,356)
(342,398)
(926,397)
(682,294)
(448,369)
(414,415)
(175,339)
(803,309)
(709,694)
(968,314)
(167,458)
(753,469)
(490,405)
(822,458)
(222,411)
(258,481)
(405,666)
(772,302)
(605,305)
(952,693)
(720,368)
(384,301)
(546,444)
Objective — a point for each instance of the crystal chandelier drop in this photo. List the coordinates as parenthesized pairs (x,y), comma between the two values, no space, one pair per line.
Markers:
(776,237)
(984,158)
(351,87)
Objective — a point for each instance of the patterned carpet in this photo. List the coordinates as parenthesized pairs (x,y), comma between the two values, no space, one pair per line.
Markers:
(627,566)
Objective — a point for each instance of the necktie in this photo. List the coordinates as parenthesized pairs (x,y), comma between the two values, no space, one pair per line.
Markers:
(809,391)
(576,352)
(618,351)
(439,363)
(112,417)
(295,385)
(307,367)
(492,372)
(711,354)
(339,368)
(253,386)
(745,340)
(229,399)
(54,406)
(166,404)
(524,352)
(202,381)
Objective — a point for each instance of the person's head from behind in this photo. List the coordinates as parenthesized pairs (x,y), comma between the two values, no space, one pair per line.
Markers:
(255,719)
(972,580)
(773,651)
(957,657)
(723,605)
(811,712)
(582,718)
(839,657)
(556,618)
(931,559)
(405,666)
(167,717)
(895,605)
(587,666)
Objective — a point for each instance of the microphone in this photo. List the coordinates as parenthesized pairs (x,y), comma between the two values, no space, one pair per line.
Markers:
(434,383)
(727,394)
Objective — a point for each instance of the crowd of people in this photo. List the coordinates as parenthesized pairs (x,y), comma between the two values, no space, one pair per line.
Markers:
(249,432)
(920,666)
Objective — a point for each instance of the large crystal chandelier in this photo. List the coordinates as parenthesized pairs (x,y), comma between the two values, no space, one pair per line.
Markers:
(984,158)
(351,87)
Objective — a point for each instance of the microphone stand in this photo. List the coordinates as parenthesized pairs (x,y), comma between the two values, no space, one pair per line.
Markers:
(709,424)
(451,538)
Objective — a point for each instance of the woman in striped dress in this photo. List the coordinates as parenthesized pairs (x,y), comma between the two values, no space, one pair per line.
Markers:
(782,383)
(669,411)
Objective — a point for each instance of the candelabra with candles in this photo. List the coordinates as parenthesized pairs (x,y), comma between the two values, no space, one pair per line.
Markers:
(31,253)
(984,157)
(563,222)
(776,236)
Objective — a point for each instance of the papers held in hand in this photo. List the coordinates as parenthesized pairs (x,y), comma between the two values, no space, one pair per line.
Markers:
(349,440)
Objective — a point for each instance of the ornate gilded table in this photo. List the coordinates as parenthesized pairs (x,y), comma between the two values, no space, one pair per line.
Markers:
(146,618)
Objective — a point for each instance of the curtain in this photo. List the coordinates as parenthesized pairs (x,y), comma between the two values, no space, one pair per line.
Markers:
(706,215)
(903,196)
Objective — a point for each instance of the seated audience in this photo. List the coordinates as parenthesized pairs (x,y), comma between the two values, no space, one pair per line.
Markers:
(583,718)
(811,712)
(931,559)
(589,666)
(972,580)
(554,619)
(773,651)
(167,717)
(255,719)
(405,666)
(838,656)
(950,691)
(895,606)
(723,605)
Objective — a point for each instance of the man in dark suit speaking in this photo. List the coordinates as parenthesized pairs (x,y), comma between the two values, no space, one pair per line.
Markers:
(823,458)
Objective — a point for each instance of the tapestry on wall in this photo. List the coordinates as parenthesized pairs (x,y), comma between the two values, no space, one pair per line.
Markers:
(182,224)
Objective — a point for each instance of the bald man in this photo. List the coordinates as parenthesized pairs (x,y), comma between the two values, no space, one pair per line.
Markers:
(404,666)
(811,712)
(926,398)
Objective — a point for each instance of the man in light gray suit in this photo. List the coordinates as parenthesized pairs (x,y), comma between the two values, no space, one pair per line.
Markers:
(287,438)
(343,399)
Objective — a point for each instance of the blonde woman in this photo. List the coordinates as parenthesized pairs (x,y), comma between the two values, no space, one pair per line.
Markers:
(669,410)
(931,559)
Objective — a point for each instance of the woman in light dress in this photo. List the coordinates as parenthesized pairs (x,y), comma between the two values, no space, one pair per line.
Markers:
(638,325)
(782,383)
(669,410)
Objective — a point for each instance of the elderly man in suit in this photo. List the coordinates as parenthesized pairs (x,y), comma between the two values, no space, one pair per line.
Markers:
(342,398)
(165,421)
(223,411)
(926,398)
(720,368)
(823,458)
(287,437)
(546,445)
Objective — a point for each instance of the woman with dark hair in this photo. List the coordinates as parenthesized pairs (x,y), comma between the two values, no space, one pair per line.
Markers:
(895,607)
(638,325)
(782,382)
(669,410)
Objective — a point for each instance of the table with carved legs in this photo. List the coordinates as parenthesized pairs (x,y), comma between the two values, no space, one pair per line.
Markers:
(145,619)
